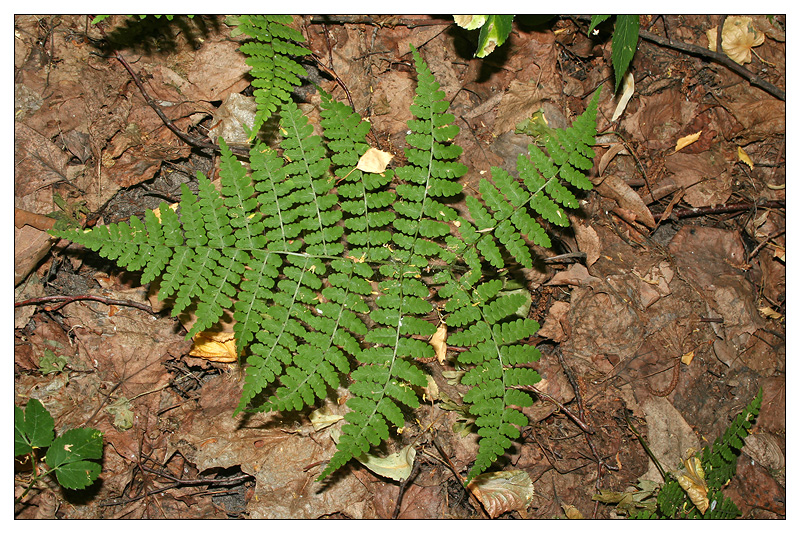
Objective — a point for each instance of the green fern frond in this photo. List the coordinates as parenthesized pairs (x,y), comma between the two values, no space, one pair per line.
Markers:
(271,55)
(719,460)
(503,214)
(496,361)
(328,269)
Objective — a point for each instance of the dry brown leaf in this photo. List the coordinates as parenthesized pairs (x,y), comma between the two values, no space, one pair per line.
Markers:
(374,160)
(687,140)
(503,491)
(571,512)
(606,158)
(739,36)
(439,342)
(215,347)
(615,188)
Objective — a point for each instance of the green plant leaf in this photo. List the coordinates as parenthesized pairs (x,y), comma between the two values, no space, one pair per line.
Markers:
(623,45)
(78,475)
(68,453)
(596,20)
(494,33)
(33,428)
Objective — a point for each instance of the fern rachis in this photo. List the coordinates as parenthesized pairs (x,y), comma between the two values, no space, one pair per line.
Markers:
(307,251)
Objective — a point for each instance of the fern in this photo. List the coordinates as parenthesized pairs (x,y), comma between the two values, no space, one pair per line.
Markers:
(270,54)
(329,270)
(718,463)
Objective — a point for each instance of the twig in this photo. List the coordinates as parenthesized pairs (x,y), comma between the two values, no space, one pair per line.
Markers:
(366,19)
(167,121)
(232,481)
(476,503)
(761,245)
(725,208)
(717,57)
(403,486)
(577,420)
(66,299)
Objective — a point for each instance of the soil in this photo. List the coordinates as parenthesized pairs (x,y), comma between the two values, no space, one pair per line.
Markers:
(671,318)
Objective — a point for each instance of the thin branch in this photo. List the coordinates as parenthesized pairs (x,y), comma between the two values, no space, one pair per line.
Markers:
(725,208)
(66,299)
(188,139)
(716,57)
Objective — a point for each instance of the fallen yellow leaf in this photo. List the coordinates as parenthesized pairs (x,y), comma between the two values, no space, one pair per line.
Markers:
(766,311)
(687,358)
(692,480)
(374,160)
(215,347)
(685,141)
(439,342)
(744,158)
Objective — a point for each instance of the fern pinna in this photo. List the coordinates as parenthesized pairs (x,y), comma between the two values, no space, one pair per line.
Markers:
(329,270)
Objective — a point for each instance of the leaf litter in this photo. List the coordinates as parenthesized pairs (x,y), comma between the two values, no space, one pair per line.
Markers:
(617,328)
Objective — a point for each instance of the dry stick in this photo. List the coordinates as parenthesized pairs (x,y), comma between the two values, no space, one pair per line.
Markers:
(66,299)
(577,420)
(761,245)
(366,19)
(579,401)
(725,208)
(716,57)
(403,486)
(167,121)
(476,503)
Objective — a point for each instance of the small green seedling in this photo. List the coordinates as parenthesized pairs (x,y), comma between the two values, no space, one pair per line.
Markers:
(69,456)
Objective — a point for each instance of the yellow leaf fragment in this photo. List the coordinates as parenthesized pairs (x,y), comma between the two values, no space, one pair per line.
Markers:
(374,160)
(768,312)
(739,36)
(683,142)
(687,358)
(215,346)
(439,342)
(692,480)
(396,466)
(323,418)
(744,158)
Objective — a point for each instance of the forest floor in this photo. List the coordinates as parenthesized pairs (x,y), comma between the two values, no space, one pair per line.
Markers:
(672,319)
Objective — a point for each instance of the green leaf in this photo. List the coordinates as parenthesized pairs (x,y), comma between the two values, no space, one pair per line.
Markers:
(52,363)
(596,20)
(75,445)
(494,33)
(78,475)
(32,429)
(623,45)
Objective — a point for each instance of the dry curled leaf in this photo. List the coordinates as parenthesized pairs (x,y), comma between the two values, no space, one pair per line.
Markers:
(628,87)
(503,491)
(739,36)
(396,466)
(693,481)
